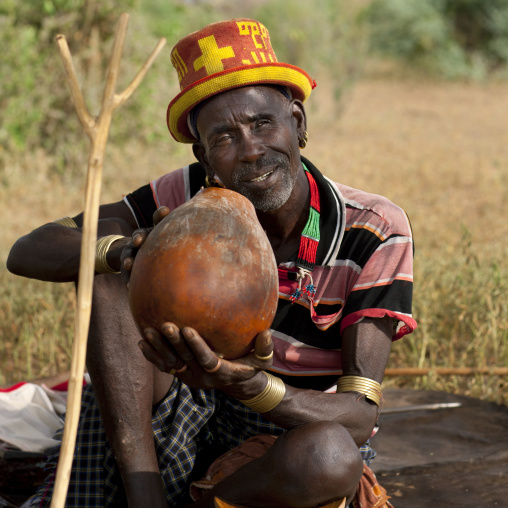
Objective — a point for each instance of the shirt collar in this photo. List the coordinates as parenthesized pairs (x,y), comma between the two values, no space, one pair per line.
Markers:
(332,217)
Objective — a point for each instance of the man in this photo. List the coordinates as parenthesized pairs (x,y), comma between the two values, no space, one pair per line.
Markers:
(345,284)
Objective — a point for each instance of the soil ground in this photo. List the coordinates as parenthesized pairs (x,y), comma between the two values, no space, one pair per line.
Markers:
(445,457)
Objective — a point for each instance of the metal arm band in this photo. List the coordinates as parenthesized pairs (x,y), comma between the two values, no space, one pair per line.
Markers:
(66,221)
(270,397)
(101,249)
(370,388)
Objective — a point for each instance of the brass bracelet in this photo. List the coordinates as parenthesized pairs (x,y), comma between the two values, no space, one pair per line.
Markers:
(270,397)
(101,249)
(66,221)
(370,388)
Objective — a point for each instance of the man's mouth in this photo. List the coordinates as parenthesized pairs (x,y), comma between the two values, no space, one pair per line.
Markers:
(262,177)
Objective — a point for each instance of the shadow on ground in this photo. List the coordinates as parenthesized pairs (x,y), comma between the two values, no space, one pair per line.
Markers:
(442,458)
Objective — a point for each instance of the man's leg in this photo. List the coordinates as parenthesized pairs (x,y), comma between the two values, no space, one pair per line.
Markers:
(126,386)
(307,466)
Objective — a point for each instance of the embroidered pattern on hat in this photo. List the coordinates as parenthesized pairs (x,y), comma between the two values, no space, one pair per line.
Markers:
(212,55)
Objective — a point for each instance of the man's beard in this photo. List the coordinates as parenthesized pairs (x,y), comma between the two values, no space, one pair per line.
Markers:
(270,199)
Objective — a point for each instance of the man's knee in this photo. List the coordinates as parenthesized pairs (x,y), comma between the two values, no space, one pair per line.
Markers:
(107,285)
(318,459)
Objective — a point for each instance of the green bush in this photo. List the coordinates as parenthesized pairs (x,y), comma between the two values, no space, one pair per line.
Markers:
(452,38)
(323,37)
(37,111)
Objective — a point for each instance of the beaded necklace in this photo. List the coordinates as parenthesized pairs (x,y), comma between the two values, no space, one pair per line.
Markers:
(309,241)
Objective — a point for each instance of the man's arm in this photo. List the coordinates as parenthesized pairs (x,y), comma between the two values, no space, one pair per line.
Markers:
(52,251)
(125,384)
(365,351)
(324,430)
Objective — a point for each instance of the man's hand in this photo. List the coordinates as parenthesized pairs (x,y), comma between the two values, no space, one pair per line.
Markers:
(139,236)
(129,251)
(185,354)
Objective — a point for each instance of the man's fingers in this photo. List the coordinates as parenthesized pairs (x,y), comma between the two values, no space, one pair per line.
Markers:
(157,350)
(214,369)
(206,358)
(159,214)
(129,252)
(151,355)
(177,341)
(139,237)
(263,347)
(127,263)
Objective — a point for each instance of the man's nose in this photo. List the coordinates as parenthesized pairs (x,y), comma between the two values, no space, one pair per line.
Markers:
(251,147)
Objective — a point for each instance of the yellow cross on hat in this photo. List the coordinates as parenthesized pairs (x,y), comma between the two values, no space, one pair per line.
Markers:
(212,56)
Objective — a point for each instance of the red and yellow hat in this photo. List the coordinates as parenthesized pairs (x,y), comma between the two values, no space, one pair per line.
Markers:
(223,56)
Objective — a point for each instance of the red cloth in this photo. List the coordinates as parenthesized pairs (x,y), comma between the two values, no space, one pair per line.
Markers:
(369,493)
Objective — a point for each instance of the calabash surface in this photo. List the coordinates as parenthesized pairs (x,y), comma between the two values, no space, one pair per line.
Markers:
(208,265)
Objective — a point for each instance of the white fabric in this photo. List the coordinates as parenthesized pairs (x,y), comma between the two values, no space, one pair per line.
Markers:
(29,417)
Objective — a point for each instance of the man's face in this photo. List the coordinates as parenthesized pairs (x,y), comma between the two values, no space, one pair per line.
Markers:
(249,139)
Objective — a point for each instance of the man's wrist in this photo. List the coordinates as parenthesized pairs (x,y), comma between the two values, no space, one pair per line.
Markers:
(248,388)
(270,397)
(66,221)
(103,262)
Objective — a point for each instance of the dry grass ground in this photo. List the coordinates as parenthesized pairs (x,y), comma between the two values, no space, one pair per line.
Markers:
(439,150)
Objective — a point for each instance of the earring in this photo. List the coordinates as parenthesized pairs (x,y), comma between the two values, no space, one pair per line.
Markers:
(302,142)
(210,182)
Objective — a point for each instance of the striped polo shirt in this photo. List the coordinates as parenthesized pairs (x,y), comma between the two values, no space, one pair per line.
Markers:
(364,269)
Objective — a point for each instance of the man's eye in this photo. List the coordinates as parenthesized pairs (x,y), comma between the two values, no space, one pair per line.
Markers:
(222,139)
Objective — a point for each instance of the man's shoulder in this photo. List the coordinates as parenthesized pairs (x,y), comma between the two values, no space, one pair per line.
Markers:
(171,189)
(192,172)
(178,186)
(362,206)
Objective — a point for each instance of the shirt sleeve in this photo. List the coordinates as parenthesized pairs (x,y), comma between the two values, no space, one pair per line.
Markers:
(384,287)
(142,205)
(171,190)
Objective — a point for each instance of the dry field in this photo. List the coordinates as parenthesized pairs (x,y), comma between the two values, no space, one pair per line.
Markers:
(439,150)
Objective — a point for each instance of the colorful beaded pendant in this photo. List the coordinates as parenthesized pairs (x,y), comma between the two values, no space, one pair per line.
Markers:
(309,241)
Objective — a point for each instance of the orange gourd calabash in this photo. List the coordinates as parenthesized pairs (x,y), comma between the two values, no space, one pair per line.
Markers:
(208,265)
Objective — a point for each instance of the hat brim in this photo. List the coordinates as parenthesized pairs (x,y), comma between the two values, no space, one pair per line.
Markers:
(297,80)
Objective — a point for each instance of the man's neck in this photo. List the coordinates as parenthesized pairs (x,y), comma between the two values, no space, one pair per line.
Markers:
(284,226)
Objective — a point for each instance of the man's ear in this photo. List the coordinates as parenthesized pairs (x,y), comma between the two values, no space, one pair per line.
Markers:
(299,115)
(200,153)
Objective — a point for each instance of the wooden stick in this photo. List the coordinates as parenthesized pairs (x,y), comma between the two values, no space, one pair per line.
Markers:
(447,371)
(421,407)
(97,131)
(121,98)
(77,98)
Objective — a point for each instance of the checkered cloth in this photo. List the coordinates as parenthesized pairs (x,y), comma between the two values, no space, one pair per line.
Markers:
(191,429)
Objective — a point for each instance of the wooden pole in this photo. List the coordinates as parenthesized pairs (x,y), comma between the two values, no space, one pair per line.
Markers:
(97,130)
(447,371)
